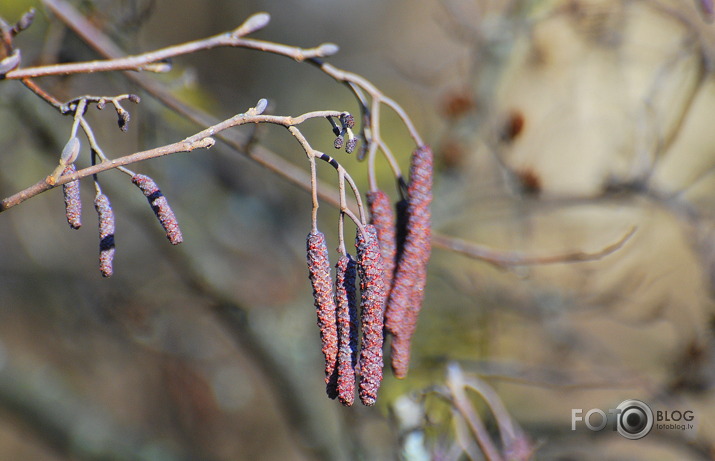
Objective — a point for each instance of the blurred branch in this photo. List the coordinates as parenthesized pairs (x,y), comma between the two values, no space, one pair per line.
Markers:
(506,259)
(70,425)
(306,422)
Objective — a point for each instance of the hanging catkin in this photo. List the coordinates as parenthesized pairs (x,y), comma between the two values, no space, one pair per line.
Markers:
(106,234)
(160,206)
(410,277)
(372,310)
(383,218)
(73,202)
(319,273)
(346,274)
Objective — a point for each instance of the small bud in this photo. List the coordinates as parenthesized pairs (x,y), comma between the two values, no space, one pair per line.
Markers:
(347,120)
(106,234)
(123,119)
(338,143)
(160,206)
(261,105)
(24,22)
(70,151)
(73,202)
(134,98)
(101,104)
(328,49)
(351,144)
(253,23)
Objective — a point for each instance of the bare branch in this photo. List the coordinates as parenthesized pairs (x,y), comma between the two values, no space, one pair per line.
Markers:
(506,259)
(199,140)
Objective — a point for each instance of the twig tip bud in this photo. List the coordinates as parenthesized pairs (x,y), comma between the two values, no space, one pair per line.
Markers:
(253,23)
(70,152)
(328,49)
(261,106)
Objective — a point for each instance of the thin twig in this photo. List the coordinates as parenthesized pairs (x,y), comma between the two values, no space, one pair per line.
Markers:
(201,139)
(258,154)
(274,163)
(141,61)
(460,401)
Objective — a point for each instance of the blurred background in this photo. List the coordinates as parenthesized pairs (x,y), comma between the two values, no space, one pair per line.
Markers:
(558,126)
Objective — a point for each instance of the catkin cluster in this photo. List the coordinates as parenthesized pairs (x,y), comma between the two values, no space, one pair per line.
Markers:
(337,314)
(408,241)
(105,213)
(391,260)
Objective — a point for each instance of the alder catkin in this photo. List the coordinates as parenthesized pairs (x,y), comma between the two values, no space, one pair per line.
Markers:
(372,310)
(106,234)
(319,274)
(383,218)
(73,202)
(160,206)
(410,277)
(346,274)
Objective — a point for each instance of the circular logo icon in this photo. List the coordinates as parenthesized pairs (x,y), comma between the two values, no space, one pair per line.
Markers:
(635,419)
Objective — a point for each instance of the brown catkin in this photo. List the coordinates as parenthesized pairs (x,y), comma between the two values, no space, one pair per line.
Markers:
(346,274)
(106,234)
(411,275)
(319,274)
(383,218)
(373,295)
(73,202)
(160,206)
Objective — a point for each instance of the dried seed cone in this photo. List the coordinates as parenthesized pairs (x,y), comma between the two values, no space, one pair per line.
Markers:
(411,275)
(383,218)
(106,234)
(160,206)
(319,274)
(345,299)
(373,295)
(73,202)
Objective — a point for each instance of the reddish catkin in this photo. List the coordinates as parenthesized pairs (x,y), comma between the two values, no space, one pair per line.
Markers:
(106,234)
(383,218)
(319,274)
(346,274)
(160,206)
(372,311)
(73,202)
(410,277)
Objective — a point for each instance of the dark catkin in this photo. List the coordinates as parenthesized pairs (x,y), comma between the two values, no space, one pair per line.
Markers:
(160,206)
(383,218)
(410,277)
(319,274)
(106,234)
(73,202)
(345,299)
(373,295)
(400,228)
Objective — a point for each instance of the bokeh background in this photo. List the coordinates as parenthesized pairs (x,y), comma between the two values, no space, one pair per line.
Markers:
(557,126)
